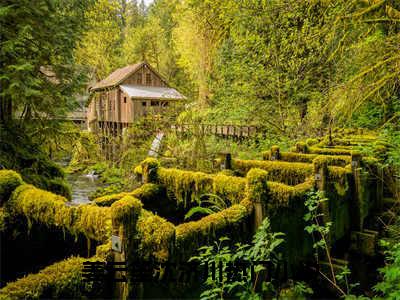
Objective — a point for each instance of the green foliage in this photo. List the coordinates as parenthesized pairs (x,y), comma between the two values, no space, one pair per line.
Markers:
(208,204)
(9,181)
(58,281)
(264,248)
(388,287)
(38,71)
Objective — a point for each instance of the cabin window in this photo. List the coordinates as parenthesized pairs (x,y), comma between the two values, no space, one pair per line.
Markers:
(148,79)
(124,99)
(154,103)
(144,103)
(139,78)
(164,103)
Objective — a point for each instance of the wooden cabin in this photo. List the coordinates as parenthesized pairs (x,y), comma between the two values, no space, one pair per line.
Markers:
(128,94)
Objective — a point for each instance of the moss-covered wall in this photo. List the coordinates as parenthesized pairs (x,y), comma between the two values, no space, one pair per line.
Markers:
(280,171)
(46,208)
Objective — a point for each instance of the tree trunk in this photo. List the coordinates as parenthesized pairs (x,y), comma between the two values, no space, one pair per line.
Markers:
(5,110)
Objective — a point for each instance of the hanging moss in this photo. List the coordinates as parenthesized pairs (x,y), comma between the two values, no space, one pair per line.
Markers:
(61,280)
(9,181)
(229,187)
(186,186)
(286,172)
(51,210)
(124,209)
(156,236)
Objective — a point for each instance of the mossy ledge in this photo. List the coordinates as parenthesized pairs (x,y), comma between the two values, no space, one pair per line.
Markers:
(188,186)
(62,280)
(281,171)
(51,210)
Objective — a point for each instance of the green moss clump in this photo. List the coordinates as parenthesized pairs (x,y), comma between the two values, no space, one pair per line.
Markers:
(191,235)
(229,187)
(149,169)
(9,181)
(107,200)
(51,210)
(257,185)
(330,151)
(281,171)
(186,186)
(311,142)
(61,280)
(156,237)
(280,194)
(302,147)
(126,208)
(138,170)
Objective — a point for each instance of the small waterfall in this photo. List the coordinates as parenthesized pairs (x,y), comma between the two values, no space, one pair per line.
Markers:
(156,144)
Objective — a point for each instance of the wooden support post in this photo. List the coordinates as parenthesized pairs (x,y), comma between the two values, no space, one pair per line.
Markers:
(275,153)
(226,161)
(257,191)
(357,208)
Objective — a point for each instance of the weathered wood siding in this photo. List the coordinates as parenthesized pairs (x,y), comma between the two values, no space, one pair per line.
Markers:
(144,76)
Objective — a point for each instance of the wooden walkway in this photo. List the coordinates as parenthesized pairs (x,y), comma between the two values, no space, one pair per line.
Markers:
(237,131)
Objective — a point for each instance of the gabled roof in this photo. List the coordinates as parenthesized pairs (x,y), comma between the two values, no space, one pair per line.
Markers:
(119,75)
(151,92)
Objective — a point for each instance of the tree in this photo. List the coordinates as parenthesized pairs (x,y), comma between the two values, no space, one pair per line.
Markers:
(38,74)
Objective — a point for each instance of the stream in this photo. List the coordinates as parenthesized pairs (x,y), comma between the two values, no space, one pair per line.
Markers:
(82,186)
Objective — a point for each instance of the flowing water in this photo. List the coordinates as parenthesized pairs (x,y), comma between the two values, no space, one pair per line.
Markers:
(82,186)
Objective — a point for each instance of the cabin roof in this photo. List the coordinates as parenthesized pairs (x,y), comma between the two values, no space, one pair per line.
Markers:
(151,92)
(116,77)
(119,75)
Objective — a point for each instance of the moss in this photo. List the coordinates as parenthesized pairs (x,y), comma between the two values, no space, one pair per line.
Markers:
(156,236)
(280,194)
(311,142)
(186,186)
(257,185)
(9,181)
(2,220)
(105,252)
(286,172)
(138,170)
(229,187)
(191,235)
(59,281)
(94,222)
(329,151)
(107,200)
(149,169)
(51,210)
(147,192)
(302,147)
(124,209)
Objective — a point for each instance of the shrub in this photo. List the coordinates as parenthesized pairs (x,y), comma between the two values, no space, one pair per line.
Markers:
(9,181)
